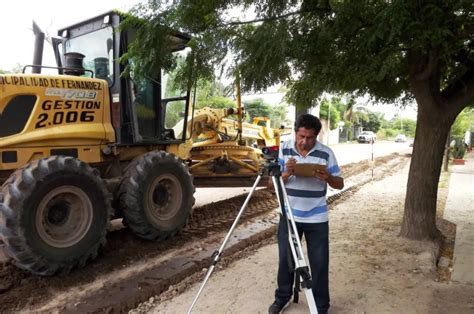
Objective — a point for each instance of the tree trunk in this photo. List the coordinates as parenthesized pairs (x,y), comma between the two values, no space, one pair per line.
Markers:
(419,219)
(436,113)
(433,125)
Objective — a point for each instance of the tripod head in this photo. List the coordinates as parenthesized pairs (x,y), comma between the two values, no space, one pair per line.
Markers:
(271,165)
(270,153)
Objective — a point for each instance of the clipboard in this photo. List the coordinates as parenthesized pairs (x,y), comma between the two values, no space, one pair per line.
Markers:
(307,170)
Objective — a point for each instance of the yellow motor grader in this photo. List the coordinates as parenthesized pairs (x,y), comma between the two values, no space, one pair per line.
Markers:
(75,144)
(225,151)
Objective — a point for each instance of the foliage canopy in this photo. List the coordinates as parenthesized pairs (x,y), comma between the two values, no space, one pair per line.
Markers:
(390,50)
(313,46)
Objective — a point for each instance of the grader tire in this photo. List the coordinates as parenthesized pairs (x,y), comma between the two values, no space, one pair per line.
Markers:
(156,196)
(54,215)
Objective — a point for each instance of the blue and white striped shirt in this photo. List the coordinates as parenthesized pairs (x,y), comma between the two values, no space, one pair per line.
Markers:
(307,195)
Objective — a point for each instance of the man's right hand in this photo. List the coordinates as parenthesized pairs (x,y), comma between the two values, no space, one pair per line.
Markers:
(290,166)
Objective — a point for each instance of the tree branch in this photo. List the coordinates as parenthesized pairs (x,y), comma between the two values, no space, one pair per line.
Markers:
(430,67)
(237,34)
(266,19)
(461,92)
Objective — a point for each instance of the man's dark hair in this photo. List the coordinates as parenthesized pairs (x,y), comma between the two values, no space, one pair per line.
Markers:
(308,121)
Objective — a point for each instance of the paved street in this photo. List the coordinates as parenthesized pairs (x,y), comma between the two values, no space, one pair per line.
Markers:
(353,152)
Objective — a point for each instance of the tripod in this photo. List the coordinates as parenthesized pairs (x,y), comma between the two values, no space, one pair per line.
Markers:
(301,269)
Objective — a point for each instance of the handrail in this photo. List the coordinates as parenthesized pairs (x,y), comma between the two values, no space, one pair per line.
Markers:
(57,68)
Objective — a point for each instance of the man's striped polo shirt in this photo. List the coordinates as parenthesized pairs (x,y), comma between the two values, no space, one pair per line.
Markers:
(307,195)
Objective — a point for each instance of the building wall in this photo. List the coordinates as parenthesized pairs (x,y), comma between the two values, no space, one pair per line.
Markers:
(328,137)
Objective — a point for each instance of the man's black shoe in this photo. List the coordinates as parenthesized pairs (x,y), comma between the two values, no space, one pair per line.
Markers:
(278,306)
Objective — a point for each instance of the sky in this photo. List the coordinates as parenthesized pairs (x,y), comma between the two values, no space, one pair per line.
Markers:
(16,35)
(17,39)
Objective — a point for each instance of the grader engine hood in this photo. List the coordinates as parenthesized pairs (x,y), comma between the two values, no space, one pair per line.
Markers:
(47,111)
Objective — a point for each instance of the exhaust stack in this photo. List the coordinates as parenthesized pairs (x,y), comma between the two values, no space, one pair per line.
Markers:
(38,48)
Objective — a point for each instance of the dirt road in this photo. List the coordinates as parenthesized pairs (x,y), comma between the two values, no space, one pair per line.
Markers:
(130,270)
(372,269)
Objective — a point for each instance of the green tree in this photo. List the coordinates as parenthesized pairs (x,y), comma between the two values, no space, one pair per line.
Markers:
(355,115)
(333,112)
(278,116)
(373,123)
(209,93)
(213,94)
(384,124)
(463,123)
(257,108)
(212,88)
(393,50)
(404,125)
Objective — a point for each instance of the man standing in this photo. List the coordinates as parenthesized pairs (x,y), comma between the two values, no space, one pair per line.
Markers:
(307,197)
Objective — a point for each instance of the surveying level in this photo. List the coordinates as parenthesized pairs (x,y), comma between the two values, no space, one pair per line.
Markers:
(272,168)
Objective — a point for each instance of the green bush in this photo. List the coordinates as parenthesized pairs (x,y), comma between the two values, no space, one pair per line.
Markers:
(459,149)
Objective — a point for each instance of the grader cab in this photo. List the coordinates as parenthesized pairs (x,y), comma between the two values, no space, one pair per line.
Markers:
(87,145)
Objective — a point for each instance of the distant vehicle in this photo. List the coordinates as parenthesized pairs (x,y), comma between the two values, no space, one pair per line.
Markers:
(400,138)
(367,137)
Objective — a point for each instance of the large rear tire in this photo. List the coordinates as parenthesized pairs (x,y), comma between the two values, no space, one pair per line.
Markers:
(156,196)
(54,215)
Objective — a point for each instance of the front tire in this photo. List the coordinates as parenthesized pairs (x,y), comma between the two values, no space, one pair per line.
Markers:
(54,215)
(156,196)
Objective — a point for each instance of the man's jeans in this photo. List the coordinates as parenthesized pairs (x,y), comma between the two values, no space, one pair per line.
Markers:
(317,240)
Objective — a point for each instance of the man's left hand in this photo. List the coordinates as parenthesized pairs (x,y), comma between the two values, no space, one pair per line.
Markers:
(322,174)
(334,182)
